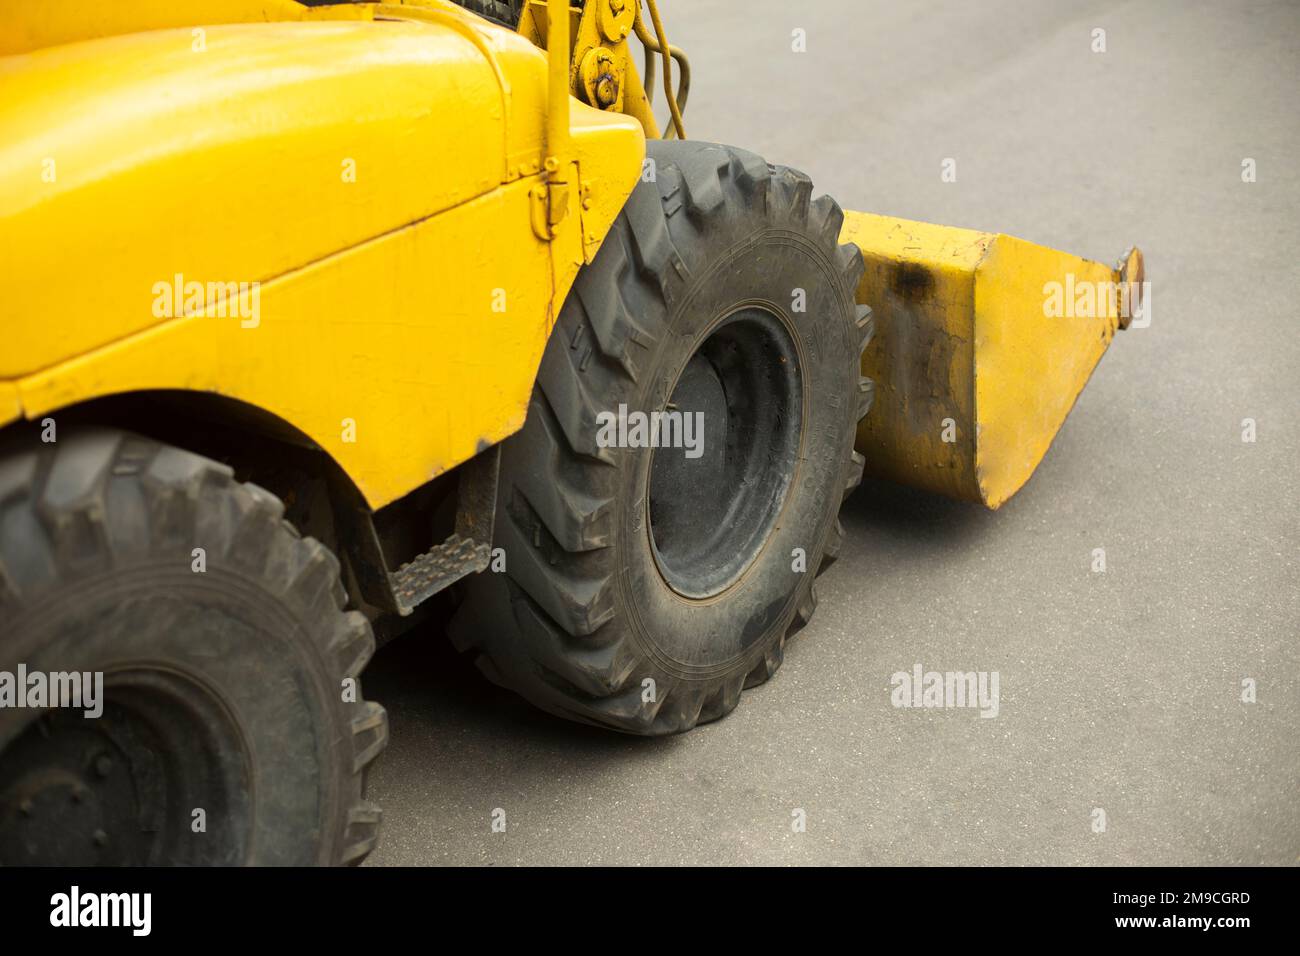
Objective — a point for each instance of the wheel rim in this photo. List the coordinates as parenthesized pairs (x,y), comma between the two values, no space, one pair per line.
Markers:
(123,788)
(710,516)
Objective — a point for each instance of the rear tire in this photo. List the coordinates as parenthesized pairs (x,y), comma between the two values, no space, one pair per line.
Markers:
(233,730)
(644,588)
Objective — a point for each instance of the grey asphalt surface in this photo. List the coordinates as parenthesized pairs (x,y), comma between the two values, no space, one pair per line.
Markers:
(1120,690)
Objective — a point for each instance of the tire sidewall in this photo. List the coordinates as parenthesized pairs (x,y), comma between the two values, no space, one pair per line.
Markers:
(704,639)
(246,649)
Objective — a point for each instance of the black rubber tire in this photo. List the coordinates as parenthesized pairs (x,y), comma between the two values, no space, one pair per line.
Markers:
(225,688)
(579,620)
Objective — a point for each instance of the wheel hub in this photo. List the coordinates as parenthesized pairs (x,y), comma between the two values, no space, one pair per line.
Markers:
(123,788)
(711,515)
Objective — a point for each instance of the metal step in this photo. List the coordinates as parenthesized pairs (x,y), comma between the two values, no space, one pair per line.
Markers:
(438,568)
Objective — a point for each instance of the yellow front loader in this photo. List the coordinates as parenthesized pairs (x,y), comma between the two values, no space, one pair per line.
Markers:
(311,311)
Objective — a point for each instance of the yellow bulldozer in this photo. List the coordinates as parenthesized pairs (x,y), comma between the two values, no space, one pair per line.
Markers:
(314,310)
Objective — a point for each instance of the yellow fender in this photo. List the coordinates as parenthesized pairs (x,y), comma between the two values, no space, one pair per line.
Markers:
(332,220)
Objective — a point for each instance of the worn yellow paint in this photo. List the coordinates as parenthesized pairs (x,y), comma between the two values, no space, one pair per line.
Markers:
(11,408)
(964,350)
(636,104)
(396,337)
(414,301)
(592,28)
(34,24)
(227,165)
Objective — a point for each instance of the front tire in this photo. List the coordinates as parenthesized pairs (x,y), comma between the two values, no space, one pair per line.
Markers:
(646,587)
(232,729)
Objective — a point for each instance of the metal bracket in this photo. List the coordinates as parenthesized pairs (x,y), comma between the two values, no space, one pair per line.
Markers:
(549,206)
(466,551)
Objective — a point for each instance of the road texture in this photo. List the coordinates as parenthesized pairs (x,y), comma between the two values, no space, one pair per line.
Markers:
(1119,691)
